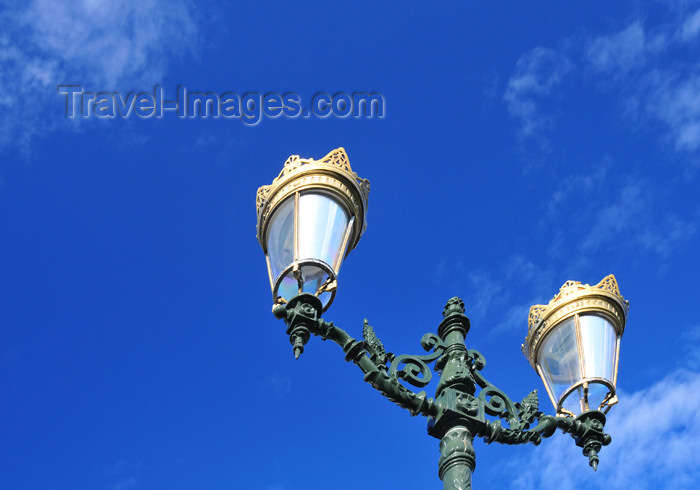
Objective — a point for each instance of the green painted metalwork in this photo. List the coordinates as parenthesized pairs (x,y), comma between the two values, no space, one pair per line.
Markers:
(457,414)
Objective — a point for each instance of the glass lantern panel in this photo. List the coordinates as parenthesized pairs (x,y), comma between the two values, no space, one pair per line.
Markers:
(558,358)
(280,237)
(598,342)
(322,225)
(574,403)
(289,287)
(313,278)
(597,393)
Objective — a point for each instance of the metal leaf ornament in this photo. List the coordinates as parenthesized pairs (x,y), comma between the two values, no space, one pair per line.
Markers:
(375,347)
(528,408)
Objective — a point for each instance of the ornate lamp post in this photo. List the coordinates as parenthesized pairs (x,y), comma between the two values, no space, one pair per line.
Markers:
(309,219)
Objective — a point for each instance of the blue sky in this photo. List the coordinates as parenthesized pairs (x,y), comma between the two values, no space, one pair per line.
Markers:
(523,144)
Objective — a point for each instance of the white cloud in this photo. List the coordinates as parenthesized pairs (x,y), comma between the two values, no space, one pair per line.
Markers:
(112,42)
(576,188)
(106,45)
(615,218)
(489,296)
(629,219)
(124,473)
(485,291)
(623,50)
(652,69)
(689,341)
(669,234)
(664,88)
(691,27)
(515,318)
(537,74)
(655,442)
(674,98)
(125,484)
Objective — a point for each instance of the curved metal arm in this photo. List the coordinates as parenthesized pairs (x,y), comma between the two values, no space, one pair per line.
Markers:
(587,431)
(302,316)
(456,413)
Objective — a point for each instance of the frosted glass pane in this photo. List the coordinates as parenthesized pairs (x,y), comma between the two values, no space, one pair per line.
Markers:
(313,278)
(288,287)
(558,358)
(596,394)
(598,340)
(322,225)
(280,237)
(574,402)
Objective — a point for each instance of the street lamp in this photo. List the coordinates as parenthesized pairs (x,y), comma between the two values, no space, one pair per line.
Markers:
(574,345)
(309,219)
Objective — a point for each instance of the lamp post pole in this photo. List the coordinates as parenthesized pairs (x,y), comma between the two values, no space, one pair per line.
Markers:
(308,221)
(457,459)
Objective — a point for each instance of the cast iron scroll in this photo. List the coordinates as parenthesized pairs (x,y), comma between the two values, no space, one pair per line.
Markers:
(458,407)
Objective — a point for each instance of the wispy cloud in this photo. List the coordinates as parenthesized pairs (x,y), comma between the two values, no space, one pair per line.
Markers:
(108,45)
(673,97)
(125,484)
(622,51)
(657,84)
(618,216)
(605,213)
(592,213)
(498,300)
(632,219)
(124,474)
(690,28)
(112,41)
(575,188)
(689,342)
(669,234)
(536,76)
(648,69)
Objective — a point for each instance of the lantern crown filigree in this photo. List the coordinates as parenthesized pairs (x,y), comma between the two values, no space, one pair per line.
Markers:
(332,173)
(573,297)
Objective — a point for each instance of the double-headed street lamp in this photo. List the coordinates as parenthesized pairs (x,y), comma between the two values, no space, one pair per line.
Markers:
(312,216)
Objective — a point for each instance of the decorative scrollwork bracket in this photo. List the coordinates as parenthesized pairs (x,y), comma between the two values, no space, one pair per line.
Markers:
(458,413)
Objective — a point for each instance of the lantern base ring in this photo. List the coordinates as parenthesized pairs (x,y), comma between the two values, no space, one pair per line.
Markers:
(608,401)
(295,279)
